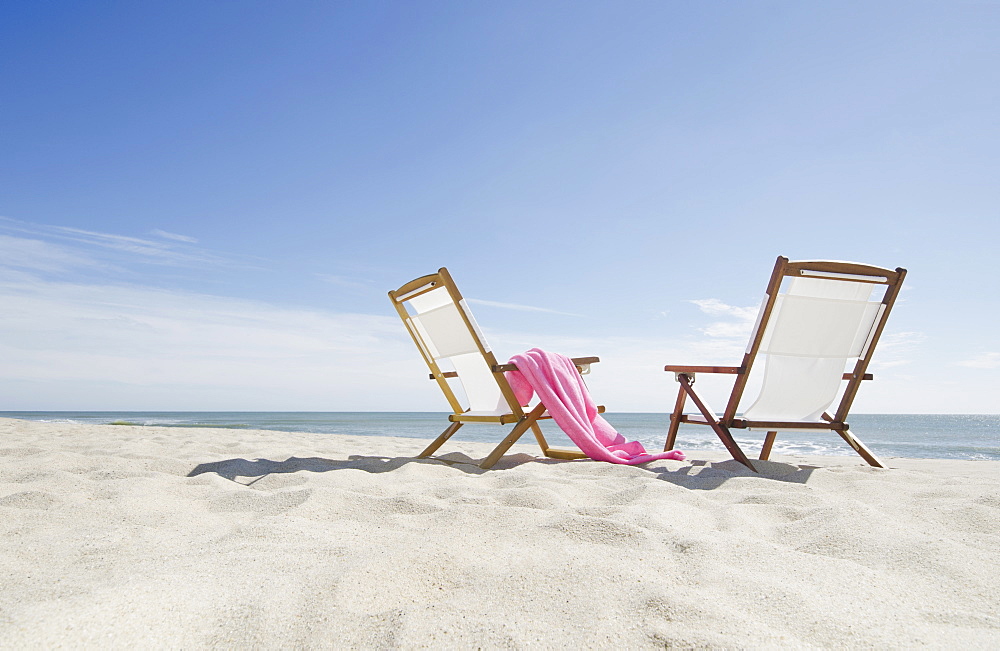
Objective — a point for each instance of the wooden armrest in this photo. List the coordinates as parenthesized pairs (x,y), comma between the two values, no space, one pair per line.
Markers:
(736,369)
(733,370)
(578,361)
(503,368)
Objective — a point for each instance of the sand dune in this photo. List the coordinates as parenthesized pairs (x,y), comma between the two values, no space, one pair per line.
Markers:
(166,537)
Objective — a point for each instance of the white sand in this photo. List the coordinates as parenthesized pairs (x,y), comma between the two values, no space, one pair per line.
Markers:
(161,537)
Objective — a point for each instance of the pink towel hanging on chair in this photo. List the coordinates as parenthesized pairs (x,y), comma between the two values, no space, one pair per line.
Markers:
(558,384)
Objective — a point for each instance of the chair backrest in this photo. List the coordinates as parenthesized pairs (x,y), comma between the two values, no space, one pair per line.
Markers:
(818,317)
(444,330)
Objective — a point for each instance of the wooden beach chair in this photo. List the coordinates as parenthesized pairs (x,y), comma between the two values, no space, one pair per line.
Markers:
(818,317)
(451,343)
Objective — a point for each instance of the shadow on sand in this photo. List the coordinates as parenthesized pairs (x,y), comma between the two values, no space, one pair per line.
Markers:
(695,475)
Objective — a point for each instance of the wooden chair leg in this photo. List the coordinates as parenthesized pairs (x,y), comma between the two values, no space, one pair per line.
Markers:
(675,420)
(542,443)
(551,452)
(861,449)
(765,450)
(734,449)
(515,434)
(720,430)
(439,441)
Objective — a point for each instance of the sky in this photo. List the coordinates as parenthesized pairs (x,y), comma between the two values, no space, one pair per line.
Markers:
(203,205)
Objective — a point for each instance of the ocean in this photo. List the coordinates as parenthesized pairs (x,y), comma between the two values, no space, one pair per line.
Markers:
(916,436)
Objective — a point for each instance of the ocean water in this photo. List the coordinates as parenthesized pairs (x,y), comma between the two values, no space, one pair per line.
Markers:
(890,435)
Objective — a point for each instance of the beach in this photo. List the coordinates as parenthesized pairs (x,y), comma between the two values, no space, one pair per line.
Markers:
(121,536)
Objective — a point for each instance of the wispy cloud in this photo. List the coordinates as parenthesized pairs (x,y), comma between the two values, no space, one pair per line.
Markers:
(115,346)
(740,319)
(160,349)
(163,252)
(715,307)
(901,341)
(520,308)
(982,360)
(77,345)
(37,255)
(178,250)
(74,336)
(112,241)
(174,236)
(896,349)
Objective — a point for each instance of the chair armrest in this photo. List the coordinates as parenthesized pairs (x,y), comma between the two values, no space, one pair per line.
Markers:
(581,364)
(732,370)
(735,370)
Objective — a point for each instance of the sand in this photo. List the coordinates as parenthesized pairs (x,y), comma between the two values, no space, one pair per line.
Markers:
(119,536)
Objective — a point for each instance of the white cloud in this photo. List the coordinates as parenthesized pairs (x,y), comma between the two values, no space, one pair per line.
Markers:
(896,349)
(724,330)
(983,360)
(94,344)
(906,340)
(177,251)
(174,236)
(889,364)
(739,325)
(163,252)
(71,345)
(715,307)
(183,350)
(37,255)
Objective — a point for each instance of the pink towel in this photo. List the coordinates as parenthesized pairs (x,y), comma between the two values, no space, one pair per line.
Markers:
(559,386)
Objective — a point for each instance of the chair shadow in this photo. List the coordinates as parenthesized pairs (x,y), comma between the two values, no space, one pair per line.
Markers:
(696,475)
(708,475)
(257,469)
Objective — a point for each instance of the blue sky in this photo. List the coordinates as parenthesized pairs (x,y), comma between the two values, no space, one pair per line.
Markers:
(203,204)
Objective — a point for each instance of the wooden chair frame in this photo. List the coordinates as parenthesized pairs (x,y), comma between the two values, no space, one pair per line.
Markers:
(685,375)
(522,420)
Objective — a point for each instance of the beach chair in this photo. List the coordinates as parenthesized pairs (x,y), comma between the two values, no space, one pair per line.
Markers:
(818,317)
(451,343)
